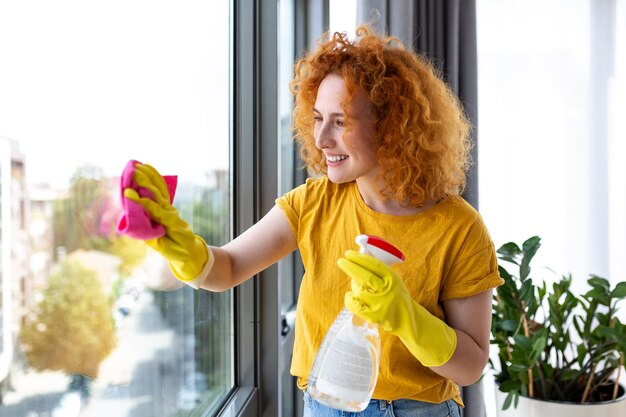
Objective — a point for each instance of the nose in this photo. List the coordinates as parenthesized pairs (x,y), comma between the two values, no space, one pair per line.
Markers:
(323,135)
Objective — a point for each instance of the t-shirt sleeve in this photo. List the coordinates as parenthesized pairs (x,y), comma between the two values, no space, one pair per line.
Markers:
(475,268)
(291,205)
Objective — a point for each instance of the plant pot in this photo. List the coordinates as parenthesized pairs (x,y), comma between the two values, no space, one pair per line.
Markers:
(529,407)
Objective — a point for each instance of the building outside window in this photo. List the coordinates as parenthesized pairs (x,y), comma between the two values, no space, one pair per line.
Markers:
(90,324)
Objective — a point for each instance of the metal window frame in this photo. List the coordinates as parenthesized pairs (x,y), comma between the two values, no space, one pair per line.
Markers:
(260,349)
(244,399)
(253,177)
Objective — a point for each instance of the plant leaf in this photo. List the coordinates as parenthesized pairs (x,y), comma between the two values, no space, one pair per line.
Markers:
(599,283)
(523,342)
(507,401)
(509,252)
(508,325)
(582,352)
(529,248)
(527,292)
(569,374)
(619,291)
(510,385)
(504,274)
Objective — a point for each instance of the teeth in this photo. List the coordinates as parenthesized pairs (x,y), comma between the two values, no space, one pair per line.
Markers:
(336,158)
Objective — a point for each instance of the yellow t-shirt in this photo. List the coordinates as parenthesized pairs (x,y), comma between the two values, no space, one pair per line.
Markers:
(449,254)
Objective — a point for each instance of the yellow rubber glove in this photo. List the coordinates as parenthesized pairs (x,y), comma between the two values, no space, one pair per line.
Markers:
(379,296)
(188,255)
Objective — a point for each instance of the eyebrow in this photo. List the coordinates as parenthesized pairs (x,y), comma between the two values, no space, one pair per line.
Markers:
(335,114)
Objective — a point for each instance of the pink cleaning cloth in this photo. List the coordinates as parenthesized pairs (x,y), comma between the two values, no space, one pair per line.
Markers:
(135,222)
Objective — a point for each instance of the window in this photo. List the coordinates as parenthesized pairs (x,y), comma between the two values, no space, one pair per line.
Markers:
(342,16)
(551,92)
(286,149)
(551,88)
(85,87)
(5,347)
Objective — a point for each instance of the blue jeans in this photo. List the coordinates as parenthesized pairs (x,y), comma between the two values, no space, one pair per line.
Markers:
(382,408)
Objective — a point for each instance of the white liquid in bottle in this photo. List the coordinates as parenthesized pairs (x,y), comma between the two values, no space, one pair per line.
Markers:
(345,370)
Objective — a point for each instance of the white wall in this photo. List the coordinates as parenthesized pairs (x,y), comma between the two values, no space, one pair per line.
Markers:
(551,145)
(552,135)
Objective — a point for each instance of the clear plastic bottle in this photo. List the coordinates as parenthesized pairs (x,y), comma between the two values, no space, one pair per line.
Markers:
(345,370)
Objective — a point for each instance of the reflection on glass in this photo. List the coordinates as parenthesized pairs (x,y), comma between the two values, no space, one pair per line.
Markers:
(106,333)
(286,181)
(5,342)
(91,324)
(287,151)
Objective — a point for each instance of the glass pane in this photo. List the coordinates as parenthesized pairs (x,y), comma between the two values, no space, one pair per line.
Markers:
(551,134)
(342,16)
(94,325)
(5,289)
(287,151)
(571,59)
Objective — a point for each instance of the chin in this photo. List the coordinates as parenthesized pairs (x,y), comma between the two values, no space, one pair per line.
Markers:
(342,174)
(339,180)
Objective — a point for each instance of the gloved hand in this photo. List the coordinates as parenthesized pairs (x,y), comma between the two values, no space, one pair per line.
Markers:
(379,296)
(188,256)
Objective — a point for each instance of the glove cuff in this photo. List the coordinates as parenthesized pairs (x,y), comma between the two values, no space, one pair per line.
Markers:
(429,338)
(445,347)
(181,269)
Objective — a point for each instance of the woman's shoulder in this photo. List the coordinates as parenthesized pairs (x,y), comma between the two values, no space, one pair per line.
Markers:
(314,191)
(319,182)
(321,186)
(457,208)
(457,203)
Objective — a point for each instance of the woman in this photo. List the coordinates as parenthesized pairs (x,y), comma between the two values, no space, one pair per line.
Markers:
(388,143)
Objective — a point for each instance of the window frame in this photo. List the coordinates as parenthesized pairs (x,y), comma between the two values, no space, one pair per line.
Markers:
(261,351)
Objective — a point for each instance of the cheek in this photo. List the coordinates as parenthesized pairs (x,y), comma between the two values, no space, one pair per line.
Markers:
(350,139)
(360,138)
(355,138)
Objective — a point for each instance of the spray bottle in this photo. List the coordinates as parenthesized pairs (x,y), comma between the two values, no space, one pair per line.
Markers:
(345,370)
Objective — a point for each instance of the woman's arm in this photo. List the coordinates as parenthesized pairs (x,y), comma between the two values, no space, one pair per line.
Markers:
(263,244)
(471,320)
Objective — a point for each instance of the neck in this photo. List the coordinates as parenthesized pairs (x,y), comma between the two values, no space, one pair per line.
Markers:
(377,202)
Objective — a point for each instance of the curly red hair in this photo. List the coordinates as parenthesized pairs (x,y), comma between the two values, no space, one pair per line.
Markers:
(421,126)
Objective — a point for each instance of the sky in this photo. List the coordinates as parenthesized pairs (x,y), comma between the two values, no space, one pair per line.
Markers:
(103,82)
(99,83)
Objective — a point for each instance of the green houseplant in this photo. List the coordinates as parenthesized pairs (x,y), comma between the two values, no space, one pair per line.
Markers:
(552,344)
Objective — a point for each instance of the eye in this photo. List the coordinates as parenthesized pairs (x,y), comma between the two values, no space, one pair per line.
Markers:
(317,118)
(339,122)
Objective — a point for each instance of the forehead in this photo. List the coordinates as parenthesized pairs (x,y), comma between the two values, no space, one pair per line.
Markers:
(332,92)
(331,89)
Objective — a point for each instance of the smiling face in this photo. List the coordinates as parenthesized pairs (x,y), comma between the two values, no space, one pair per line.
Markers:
(350,153)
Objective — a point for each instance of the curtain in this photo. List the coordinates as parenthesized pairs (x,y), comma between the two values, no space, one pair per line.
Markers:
(445,31)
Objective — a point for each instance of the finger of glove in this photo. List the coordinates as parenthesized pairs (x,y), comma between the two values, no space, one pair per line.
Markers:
(370,263)
(357,288)
(373,300)
(167,216)
(132,195)
(363,292)
(152,208)
(152,172)
(354,304)
(364,307)
(144,184)
(147,177)
(360,275)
